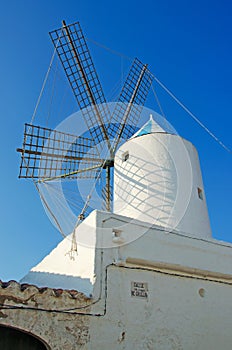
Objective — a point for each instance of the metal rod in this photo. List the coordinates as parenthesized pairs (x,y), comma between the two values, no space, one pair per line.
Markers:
(108,188)
(87,84)
(54,155)
(129,106)
(62,176)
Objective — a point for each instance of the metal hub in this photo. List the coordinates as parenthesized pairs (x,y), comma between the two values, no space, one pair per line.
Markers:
(109,163)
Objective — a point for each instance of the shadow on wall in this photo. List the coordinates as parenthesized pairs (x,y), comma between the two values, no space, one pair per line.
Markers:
(57,281)
(140,192)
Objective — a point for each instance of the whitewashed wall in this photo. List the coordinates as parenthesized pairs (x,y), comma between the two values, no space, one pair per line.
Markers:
(188,282)
(181,286)
(179,313)
(159,183)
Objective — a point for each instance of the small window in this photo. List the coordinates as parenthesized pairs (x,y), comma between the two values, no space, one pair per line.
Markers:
(125,156)
(116,232)
(200,193)
(117,236)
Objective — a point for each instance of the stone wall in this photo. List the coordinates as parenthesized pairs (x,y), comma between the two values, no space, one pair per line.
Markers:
(29,308)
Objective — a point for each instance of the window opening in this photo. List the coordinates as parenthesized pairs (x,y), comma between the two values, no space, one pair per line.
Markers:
(125,156)
(200,193)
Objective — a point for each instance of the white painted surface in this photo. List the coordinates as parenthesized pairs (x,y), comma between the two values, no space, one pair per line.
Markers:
(173,317)
(159,183)
(155,246)
(188,282)
(139,241)
(58,270)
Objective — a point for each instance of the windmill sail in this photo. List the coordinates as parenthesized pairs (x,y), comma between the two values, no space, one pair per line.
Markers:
(131,100)
(49,154)
(75,57)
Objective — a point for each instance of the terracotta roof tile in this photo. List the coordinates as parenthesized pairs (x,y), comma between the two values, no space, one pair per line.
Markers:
(56,292)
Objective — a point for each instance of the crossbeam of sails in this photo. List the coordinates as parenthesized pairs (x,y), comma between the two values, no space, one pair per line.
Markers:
(50,157)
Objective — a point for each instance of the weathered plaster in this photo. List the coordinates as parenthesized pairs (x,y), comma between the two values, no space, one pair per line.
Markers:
(57,330)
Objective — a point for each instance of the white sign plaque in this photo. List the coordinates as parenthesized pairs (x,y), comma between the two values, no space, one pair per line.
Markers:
(139,289)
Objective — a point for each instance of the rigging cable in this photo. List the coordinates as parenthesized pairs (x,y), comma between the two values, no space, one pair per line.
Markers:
(158,102)
(45,203)
(73,249)
(52,94)
(193,115)
(114,52)
(45,81)
(197,120)
(48,208)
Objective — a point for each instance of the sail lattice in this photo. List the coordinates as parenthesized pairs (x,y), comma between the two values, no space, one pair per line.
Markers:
(49,154)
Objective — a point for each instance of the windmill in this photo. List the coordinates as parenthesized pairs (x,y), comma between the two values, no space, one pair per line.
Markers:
(48,154)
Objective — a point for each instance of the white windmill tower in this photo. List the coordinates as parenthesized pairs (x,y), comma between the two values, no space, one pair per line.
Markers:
(158,180)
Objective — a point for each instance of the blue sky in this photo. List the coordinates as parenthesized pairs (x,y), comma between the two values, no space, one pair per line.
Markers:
(187,45)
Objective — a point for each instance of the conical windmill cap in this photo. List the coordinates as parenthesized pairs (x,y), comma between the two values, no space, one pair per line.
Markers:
(149,128)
